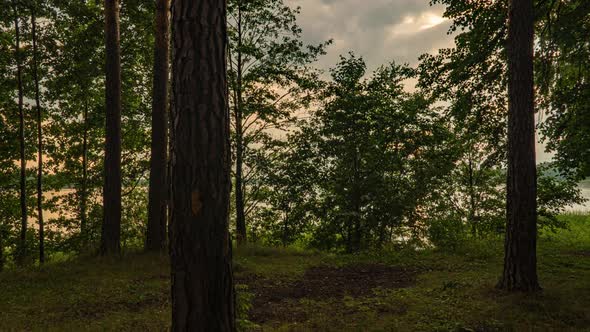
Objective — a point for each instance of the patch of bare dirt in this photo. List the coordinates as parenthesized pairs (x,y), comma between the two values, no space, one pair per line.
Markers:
(352,280)
(583,253)
(276,299)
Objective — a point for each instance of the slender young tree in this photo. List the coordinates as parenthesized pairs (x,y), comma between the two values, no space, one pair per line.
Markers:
(111,228)
(84,182)
(269,80)
(156,227)
(200,247)
(39,137)
(520,259)
(1,247)
(22,245)
(238,116)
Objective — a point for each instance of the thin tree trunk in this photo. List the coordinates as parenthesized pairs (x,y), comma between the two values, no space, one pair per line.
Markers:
(1,246)
(286,228)
(520,259)
(84,189)
(170,141)
(356,204)
(200,247)
(156,227)
(22,245)
(240,213)
(382,233)
(111,228)
(471,197)
(39,140)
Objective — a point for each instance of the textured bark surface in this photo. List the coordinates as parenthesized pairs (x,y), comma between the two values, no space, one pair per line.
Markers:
(111,227)
(22,244)
(200,247)
(39,140)
(520,259)
(157,207)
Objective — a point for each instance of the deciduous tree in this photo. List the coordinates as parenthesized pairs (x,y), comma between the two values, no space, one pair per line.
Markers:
(22,246)
(269,79)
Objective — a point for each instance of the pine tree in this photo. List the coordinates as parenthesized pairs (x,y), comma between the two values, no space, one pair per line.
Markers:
(200,247)
(520,259)
(156,227)
(111,228)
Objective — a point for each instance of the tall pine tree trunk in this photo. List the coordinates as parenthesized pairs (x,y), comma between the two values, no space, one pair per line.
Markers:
(111,227)
(22,245)
(238,109)
(200,247)
(39,139)
(156,227)
(520,259)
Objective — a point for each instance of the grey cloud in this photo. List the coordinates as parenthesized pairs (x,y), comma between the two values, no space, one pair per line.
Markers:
(365,27)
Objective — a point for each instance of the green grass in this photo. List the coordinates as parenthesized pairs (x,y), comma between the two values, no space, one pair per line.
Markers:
(453,291)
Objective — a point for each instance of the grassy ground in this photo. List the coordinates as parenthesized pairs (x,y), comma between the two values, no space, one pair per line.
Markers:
(291,290)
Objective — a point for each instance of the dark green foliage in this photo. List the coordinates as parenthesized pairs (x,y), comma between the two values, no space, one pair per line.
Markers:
(287,191)
(356,173)
(76,130)
(564,80)
(71,61)
(554,194)
(270,80)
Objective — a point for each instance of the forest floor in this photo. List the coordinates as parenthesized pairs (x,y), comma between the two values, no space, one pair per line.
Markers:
(296,290)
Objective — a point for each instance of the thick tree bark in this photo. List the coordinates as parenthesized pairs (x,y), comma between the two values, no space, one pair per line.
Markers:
(520,260)
(39,140)
(238,116)
(200,246)
(111,227)
(22,245)
(156,227)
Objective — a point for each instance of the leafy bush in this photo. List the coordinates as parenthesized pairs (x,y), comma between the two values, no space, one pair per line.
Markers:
(243,306)
(447,233)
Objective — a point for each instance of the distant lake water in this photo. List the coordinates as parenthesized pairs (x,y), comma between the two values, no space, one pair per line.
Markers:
(584,187)
(585,207)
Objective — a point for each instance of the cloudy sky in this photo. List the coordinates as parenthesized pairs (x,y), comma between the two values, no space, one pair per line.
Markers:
(377,30)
